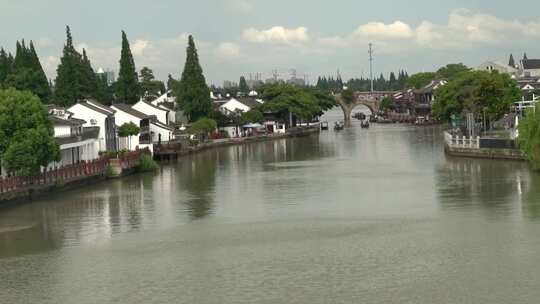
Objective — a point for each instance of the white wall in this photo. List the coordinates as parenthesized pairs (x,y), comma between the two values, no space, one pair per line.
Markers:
(151,110)
(86,114)
(155,130)
(62,131)
(128,143)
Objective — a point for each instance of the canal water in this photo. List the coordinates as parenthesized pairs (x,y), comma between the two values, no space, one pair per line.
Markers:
(357,216)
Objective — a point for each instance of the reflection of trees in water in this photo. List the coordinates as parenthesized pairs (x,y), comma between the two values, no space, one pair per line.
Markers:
(531,197)
(488,183)
(199,179)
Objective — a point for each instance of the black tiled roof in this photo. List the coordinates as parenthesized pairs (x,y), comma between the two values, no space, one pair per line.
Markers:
(131,111)
(531,64)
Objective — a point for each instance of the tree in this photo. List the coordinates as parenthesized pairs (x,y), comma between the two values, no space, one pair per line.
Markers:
(6,66)
(89,79)
(451,71)
(420,80)
(127,85)
(511,61)
(243,87)
(26,72)
(386,103)
(193,95)
(127,130)
(69,85)
(285,99)
(26,134)
(203,127)
(529,136)
(252,116)
(348,96)
(171,83)
(150,86)
(476,92)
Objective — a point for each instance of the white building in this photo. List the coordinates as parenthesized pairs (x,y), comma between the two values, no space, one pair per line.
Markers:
(160,132)
(235,105)
(497,66)
(161,113)
(97,115)
(530,68)
(126,114)
(77,144)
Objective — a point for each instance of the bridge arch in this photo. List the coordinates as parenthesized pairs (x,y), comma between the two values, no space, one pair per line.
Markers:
(372,104)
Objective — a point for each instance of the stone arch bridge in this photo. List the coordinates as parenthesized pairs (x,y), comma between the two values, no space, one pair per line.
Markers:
(368,99)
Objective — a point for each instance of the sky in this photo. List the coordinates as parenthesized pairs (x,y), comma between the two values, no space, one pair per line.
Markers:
(246,37)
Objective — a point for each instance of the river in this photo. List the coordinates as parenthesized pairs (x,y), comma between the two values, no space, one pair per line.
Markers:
(358,216)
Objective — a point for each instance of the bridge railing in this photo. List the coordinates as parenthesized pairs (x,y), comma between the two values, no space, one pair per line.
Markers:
(455,141)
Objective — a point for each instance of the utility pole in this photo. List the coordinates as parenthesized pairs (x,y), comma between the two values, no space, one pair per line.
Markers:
(371,65)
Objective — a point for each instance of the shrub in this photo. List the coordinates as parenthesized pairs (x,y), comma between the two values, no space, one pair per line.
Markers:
(147,164)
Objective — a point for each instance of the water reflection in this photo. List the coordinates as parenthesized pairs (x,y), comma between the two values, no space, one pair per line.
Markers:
(477,183)
(531,196)
(198,178)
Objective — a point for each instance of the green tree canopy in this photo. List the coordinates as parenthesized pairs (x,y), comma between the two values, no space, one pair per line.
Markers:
(26,134)
(128,129)
(305,103)
(529,136)
(420,80)
(203,126)
(193,94)
(243,87)
(252,116)
(127,85)
(26,72)
(476,92)
(6,66)
(75,78)
(348,96)
(149,85)
(451,71)
(386,103)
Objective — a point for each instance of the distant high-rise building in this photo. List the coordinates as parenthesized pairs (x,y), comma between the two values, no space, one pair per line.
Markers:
(229,84)
(108,74)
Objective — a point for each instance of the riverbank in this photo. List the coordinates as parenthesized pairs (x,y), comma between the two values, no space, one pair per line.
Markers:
(175,151)
(15,190)
(477,147)
(19,190)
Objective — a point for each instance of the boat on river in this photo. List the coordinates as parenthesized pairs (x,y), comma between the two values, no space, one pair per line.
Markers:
(324,125)
(365,124)
(359,116)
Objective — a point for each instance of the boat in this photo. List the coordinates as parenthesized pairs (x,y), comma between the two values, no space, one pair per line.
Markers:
(365,124)
(338,126)
(359,116)
(324,125)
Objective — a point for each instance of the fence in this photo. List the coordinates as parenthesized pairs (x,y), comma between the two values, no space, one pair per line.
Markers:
(455,141)
(66,174)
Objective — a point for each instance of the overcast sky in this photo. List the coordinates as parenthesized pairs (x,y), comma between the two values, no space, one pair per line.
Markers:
(239,37)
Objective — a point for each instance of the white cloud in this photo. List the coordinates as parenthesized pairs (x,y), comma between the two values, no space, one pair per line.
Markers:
(377,30)
(139,46)
(238,6)
(227,50)
(277,34)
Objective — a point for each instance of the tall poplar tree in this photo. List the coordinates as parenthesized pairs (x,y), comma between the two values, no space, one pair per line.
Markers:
(6,66)
(127,86)
(243,87)
(27,72)
(193,94)
(69,80)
